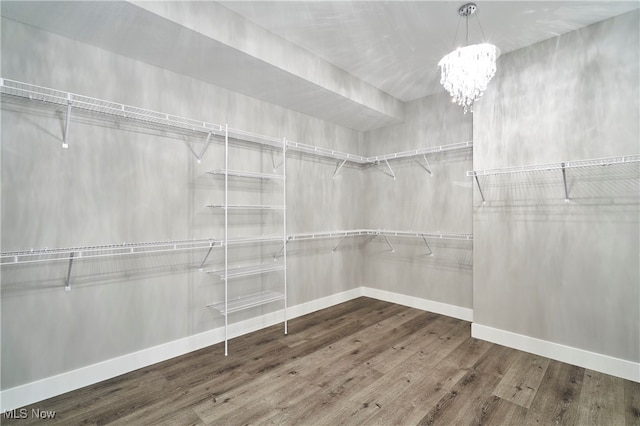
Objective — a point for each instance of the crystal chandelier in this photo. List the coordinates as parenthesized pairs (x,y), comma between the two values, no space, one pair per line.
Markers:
(466,71)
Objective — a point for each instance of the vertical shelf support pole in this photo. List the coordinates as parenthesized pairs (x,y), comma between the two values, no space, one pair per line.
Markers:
(284,226)
(67,283)
(564,179)
(338,168)
(65,139)
(226,239)
(427,244)
(479,187)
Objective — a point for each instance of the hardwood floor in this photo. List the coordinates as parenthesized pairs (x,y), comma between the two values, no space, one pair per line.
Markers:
(361,362)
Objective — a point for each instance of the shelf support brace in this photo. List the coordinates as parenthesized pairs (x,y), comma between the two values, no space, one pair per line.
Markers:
(65,139)
(479,188)
(393,250)
(564,179)
(206,146)
(427,244)
(273,163)
(275,256)
(339,242)
(67,282)
(206,257)
(393,175)
(426,165)
(338,168)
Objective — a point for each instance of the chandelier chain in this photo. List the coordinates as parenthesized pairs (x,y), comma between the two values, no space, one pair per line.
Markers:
(481,30)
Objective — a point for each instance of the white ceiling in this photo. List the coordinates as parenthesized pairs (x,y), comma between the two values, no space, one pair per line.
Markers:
(396,45)
(350,62)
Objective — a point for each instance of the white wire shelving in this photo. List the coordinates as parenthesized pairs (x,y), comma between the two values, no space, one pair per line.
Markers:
(210,132)
(247,302)
(254,240)
(245,174)
(343,157)
(246,271)
(562,167)
(326,152)
(422,152)
(247,207)
(72,101)
(385,234)
(72,254)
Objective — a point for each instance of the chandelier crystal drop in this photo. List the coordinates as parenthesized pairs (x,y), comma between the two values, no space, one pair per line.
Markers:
(466,72)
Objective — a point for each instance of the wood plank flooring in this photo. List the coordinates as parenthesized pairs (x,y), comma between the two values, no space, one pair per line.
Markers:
(360,362)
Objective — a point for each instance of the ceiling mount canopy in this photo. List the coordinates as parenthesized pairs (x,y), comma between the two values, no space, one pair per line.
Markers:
(466,71)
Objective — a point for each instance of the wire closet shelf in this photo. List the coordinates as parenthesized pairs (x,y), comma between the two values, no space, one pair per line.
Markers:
(107,250)
(72,101)
(563,167)
(597,162)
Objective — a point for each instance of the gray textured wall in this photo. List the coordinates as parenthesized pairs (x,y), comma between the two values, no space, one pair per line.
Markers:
(118,182)
(420,202)
(565,273)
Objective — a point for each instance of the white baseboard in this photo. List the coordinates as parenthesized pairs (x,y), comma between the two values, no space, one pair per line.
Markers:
(465,314)
(29,393)
(323,303)
(594,361)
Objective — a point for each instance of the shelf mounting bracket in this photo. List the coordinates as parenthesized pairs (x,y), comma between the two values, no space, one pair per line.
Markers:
(479,188)
(393,175)
(65,138)
(338,168)
(339,242)
(427,244)
(206,257)
(393,250)
(275,256)
(206,146)
(426,165)
(273,163)
(564,180)
(67,282)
